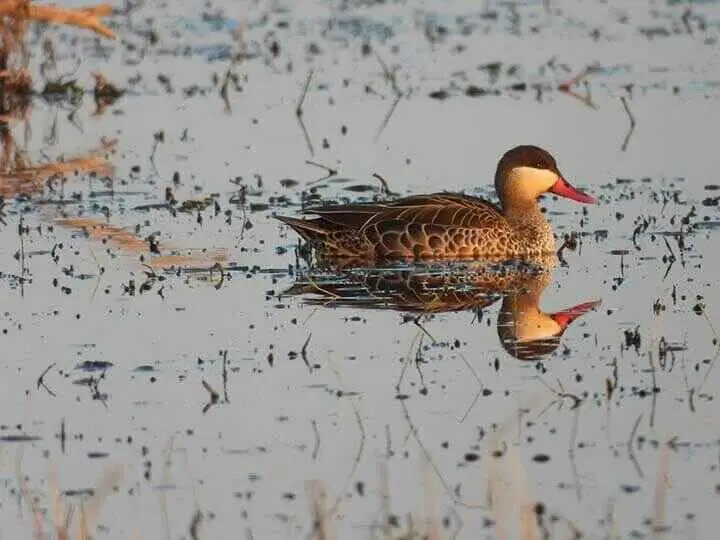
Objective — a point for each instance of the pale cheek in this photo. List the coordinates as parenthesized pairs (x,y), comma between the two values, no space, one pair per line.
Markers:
(533,182)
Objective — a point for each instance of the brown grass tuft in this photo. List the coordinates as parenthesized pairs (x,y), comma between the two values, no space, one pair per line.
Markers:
(129,243)
(19,177)
(80,17)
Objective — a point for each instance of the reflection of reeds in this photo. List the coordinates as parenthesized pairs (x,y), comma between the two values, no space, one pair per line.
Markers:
(15,80)
(386,524)
(322,519)
(17,176)
(299,111)
(15,89)
(129,243)
(86,17)
(63,518)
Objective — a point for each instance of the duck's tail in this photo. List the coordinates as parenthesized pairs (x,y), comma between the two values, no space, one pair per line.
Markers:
(311,230)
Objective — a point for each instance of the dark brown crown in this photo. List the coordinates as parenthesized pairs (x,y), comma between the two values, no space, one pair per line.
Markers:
(528,156)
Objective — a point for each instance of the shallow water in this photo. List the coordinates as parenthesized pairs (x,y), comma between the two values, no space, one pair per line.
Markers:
(616,432)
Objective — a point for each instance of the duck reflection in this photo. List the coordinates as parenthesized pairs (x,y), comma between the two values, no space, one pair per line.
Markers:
(525,331)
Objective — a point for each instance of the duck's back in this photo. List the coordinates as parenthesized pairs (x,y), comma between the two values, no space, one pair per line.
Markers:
(440,225)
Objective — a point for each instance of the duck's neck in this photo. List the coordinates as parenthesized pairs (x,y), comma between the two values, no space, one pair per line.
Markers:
(529,223)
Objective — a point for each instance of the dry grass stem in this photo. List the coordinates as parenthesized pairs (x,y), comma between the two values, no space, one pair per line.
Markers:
(79,17)
(631,118)
(129,243)
(659,499)
(300,111)
(322,527)
(18,176)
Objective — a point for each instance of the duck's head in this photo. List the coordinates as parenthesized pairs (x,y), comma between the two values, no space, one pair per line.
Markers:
(526,172)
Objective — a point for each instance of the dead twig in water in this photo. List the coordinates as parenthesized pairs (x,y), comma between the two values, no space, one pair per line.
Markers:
(385,187)
(569,242)
(235,60)
(481,386)
(659,500)
(670,259)
(361,445)
(632,123)
(299,111)
(417,321)
(195,524)
(158,137)
(391,77)
(571,454)
(428,457)
(653,390)
(79,17)
(700,310)
(562,395)
(407,360)
(329,170)
(303,353)
(21,254)
(226,398)
(41,380)
(631,447)
(418,361)
(316,447)
(63,435)
(565,87)
(214,396)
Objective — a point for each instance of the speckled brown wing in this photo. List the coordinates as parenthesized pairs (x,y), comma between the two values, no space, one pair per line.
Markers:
(438,226)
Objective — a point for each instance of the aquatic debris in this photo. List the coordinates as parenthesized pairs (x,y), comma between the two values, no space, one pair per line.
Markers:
(391,77)
(632,123)
(237,57)
(19,438)
(90,366)
(566,87)
(105,93)
(41,380)
(329,170)
(3,215)
(214,396)
(299,111)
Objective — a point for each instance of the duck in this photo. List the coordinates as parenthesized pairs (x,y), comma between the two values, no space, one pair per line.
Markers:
(447,225)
